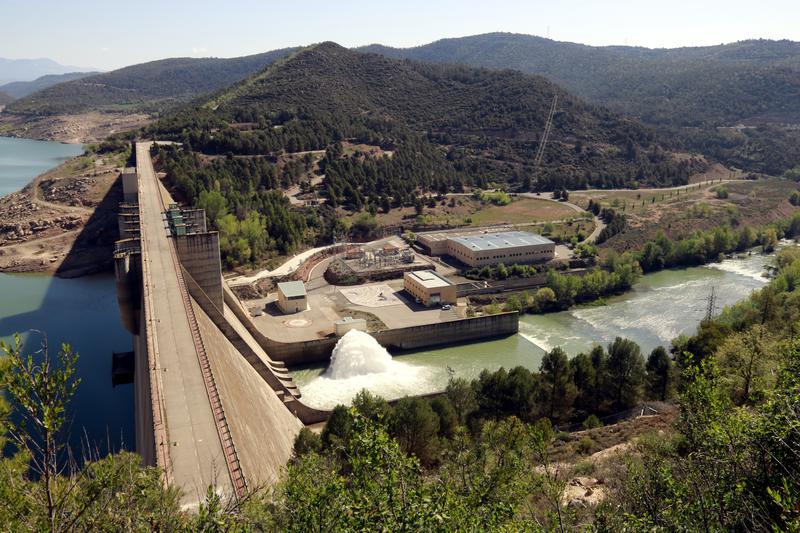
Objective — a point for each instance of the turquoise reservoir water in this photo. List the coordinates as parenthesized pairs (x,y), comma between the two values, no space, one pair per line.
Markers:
(82,312)
(21,160)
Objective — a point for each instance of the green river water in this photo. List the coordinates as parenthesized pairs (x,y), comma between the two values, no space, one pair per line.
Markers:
(659,308)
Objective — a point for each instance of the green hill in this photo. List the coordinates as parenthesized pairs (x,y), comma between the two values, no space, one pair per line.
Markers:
(389,133)
(146,87)
(714,85)
(20,89)
(5,98)
(451,125)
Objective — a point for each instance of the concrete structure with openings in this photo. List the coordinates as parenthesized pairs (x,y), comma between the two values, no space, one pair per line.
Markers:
(340,327)
(429,288)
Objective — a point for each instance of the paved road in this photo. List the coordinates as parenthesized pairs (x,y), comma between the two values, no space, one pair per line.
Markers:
(196,453)
(658,189)
(289,266)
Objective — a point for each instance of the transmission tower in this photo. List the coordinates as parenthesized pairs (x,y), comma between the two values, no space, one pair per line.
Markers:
(711,304)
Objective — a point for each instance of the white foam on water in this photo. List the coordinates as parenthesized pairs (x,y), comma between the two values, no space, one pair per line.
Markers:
(536,341)
(743,267)
(358,353)
(358,362)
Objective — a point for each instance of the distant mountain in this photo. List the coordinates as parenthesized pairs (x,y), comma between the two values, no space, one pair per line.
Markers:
(445,127)
(31,69)
(713,85)
(5,98)
(20,89)
(149,86)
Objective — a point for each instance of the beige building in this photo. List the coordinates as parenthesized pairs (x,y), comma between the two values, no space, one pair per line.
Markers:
(292,297)
(478,249)
(507,247)
(429,288)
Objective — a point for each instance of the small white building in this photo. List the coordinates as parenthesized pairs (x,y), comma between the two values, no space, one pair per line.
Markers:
(340,327)
(292,297)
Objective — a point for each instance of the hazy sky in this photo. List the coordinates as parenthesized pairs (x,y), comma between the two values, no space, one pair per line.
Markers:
(109,34)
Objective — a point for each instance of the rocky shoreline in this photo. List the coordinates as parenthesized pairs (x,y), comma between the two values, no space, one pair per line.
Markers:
(63,222)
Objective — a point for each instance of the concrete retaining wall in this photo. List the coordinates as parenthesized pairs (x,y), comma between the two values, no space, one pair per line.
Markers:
(513,284)
(142,400)
(278,379)
(199,255)
(414,337)
(410,338)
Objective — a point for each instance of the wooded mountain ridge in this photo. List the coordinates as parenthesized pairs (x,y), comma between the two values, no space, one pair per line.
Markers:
(471,126)
(148,87)
(755,80)
(20,89)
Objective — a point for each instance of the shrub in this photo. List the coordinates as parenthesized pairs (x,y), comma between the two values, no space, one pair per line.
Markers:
(306,442)
(564,436)
(586,446)
(592,422)
(584,468)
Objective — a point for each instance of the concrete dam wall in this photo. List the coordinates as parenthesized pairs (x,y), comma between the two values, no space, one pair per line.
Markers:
(410,338)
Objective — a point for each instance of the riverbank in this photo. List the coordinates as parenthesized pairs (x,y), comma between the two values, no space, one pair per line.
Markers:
(63,222)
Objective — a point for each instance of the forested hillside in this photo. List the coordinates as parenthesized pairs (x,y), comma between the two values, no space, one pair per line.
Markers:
(20,89)
(715,85)
(5,98)
(445,126)
(146,87)
(436,129)
(687,92)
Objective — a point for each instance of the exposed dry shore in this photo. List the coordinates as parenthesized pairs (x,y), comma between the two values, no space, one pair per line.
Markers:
(84,128)
(64,221)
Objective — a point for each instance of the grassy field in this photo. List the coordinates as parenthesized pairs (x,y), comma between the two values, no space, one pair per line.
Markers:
(680,213)
(521,211)
(458,211)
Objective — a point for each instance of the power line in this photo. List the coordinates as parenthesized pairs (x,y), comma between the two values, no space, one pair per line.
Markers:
(547,127)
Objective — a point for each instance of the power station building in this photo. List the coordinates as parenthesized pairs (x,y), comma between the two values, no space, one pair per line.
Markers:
(429,288)
(477,249)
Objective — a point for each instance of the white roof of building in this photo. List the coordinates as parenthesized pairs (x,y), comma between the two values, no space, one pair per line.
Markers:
(292,288)
(429,279)
(500,241)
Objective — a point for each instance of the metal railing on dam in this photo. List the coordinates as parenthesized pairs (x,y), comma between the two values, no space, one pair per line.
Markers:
(190,430)
(205,413)
(225,437)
